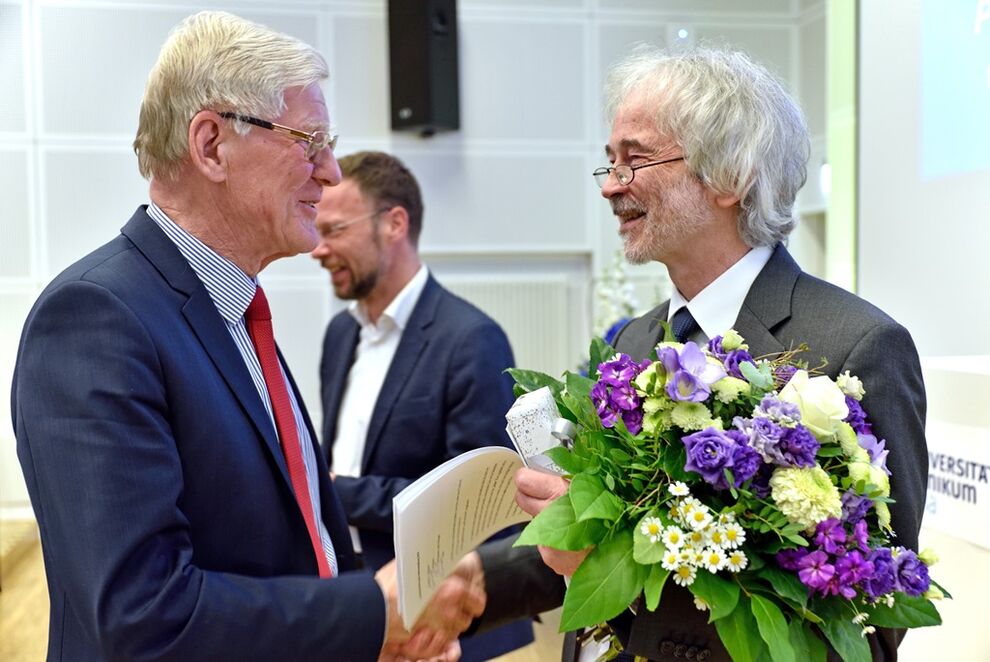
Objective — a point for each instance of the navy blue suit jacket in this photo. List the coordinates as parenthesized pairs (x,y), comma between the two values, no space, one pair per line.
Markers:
(168,523)
(445,393)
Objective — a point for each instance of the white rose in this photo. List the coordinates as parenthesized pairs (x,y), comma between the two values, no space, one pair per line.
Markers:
(823,406)
(851,386)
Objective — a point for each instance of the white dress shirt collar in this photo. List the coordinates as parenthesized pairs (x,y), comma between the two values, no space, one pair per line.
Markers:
(717,307)
(399,310)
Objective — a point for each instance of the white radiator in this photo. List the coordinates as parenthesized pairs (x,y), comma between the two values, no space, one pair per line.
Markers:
(540,314)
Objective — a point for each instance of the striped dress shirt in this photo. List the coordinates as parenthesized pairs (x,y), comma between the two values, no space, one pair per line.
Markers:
(232,291)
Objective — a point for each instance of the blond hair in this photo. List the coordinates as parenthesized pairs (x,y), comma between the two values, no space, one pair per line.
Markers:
(218,61)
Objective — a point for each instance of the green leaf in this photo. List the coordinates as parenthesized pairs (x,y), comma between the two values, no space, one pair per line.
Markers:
(556,527)
(570,462)
(760,377)
(604,585)
(829,451)
(600,351)
(645,551)
(739,633)
(786,585)
(847,639)
(579,385)
(773,628)
(721,595)
(532,380)
(583,409)
(653,586)
(907,612)
(591,500)
(807,645)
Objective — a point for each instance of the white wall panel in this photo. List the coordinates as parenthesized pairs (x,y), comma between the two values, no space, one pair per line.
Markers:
(700,6)
(15,219)
(770,46)
(299,323)
(359,74)
(94,63)
(522,81)
(12,118)
(812,72)
(88,195)
(478,202)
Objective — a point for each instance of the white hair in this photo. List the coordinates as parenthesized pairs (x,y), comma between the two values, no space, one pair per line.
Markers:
(741,132)
(218,61)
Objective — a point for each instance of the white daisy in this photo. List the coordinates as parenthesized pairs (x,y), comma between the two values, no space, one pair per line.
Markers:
(673,537)
(736,561)
(700,604)
(713,559)
(699,519)
(735,535)
(671,560)
(652,527)
(717,537)
(684,575)
(679,489)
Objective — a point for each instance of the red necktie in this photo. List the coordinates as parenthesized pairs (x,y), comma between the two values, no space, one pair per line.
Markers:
(259,324)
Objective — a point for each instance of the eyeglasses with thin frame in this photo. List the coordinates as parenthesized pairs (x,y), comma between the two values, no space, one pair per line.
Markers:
(626,173)
(316,142)
(334,230)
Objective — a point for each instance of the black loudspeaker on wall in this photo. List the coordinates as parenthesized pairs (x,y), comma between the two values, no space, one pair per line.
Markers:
(423,65)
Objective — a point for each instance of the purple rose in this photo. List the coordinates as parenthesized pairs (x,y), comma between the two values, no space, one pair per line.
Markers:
(745,460)
(912,573)
(857,417)
(785,413)
(790,559)
(884,577)
(709,453)
(633,418)
(798,447)
(854,506)
(782,374)
(761,481)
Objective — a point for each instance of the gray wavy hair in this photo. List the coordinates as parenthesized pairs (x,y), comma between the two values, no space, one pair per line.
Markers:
(215,60)
(741,132)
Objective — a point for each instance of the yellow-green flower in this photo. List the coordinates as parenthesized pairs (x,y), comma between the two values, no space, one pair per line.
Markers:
(693,416)
(805,495)
(730,388)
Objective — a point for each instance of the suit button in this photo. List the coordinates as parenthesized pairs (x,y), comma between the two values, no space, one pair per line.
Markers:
(704,655)
(691,652)
(666,646)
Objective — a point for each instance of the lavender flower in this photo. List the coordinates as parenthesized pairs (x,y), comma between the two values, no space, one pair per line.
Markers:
(734,358)
(884,577)
(798,447)
(860,536)
(855,506)
(714,347)
(912,574)
(633,418)
(692,374)
(614,395)
(710,453)
(876,449)
(784,413)
(790,559)
(857,417)
(850,570)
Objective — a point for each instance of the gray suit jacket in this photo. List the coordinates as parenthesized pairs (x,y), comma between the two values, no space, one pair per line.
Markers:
(783,308)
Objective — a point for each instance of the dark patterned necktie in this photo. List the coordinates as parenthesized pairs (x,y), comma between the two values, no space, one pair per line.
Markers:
(683,325)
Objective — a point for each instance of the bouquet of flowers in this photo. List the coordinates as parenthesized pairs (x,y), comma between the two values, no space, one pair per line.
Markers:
(753,483)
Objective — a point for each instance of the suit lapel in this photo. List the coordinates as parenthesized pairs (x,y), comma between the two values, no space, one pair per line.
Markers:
(206,322)
(768,303)
(413,342)
(339,347)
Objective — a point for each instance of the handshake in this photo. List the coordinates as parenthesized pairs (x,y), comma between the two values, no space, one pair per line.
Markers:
(458,600)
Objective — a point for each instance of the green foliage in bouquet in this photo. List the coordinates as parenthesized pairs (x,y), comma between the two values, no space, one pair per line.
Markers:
(753,484)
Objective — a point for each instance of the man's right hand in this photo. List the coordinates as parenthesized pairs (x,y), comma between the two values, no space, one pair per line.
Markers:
(535,490)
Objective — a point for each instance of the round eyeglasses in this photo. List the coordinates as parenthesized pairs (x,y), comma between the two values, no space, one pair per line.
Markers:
(316,142)
(624,174)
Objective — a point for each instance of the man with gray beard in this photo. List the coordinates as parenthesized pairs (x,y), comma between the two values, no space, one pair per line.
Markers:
(707,153)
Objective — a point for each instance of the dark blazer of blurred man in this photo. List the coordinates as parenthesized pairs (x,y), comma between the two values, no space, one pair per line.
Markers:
(411,375)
